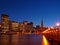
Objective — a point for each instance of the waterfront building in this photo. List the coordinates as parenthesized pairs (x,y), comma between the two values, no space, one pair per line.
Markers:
(5,22)
(0,26)
(25,25)
(38,28)
(21,27)
(34,29)
(29,27)
(13,26)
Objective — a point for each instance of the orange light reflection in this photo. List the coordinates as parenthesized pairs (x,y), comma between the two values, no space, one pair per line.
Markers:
(45,42)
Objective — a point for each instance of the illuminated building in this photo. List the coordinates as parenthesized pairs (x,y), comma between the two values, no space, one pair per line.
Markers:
(0,26)
(42,25)
(25,25)
(38,28)
(34,29)
(5,23)
(29,27)
(21,27)
(13,26)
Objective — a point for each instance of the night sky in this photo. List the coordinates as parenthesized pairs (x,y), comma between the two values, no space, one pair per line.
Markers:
(32,10)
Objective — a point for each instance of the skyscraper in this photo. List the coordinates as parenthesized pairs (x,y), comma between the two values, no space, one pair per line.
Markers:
(42,24)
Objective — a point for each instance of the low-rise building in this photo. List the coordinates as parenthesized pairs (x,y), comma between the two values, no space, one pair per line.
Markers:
(0,26)
(29,27)
(20,27)
(13,26)
(38,28)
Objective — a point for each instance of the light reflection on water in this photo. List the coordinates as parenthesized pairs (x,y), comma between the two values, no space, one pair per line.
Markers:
(44,41)
(23,39)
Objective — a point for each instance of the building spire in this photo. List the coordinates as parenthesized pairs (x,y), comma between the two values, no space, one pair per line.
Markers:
(42,25)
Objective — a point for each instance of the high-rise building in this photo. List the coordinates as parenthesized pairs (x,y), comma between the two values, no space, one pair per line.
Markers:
(5,23)
(42,26)
(42,23)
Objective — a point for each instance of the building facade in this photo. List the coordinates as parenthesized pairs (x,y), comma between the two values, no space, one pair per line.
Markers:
(29,27)
(5,23)
(13,26)
(21,27)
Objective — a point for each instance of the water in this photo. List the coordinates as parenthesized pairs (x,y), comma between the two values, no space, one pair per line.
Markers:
(23,39)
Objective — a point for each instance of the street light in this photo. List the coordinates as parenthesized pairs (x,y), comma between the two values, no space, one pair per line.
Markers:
(57,24)
(57,30)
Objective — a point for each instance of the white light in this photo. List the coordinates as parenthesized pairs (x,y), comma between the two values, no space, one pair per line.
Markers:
(57,24)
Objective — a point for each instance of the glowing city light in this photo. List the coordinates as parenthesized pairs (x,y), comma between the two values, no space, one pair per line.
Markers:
(57,24)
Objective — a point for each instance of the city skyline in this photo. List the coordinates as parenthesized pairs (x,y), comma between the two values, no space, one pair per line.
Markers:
(32,10)
(9,20)
(9,25)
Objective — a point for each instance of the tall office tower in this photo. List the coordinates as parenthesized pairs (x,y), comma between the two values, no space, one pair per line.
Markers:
(5,23)
(42,25)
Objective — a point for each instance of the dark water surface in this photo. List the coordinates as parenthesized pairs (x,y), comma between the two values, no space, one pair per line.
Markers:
(23,39)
